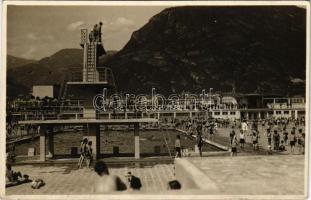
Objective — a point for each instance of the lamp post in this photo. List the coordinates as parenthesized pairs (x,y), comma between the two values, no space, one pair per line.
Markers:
(126,96)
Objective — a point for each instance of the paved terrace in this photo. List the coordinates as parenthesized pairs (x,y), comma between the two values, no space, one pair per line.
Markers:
(246,175)
(61,180)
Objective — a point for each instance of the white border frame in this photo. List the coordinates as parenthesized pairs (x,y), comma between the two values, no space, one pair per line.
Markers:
(305,4)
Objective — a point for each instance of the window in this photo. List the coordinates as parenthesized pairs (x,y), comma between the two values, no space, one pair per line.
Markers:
(216,113)
(278,112)
(224,113)
(286,112)
(232,113)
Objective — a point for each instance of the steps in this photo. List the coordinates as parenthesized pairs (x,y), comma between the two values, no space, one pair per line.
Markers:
(91,74)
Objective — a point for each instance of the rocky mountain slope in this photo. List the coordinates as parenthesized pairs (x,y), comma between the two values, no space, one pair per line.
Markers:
(251,49)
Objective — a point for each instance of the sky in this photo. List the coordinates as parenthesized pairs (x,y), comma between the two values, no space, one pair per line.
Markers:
(35,32)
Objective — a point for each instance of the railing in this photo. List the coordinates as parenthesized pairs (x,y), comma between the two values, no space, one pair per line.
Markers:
(105,75)
(286,106)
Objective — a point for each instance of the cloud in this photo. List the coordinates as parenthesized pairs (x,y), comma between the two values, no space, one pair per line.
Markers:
(29,53)
(121,21)
(36,37)
(119,24)
(75,25)
(32,36)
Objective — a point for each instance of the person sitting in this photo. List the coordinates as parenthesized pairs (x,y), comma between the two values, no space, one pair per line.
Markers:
(106,182)
(174,185)
(15,178)
(134,182)
(11,175)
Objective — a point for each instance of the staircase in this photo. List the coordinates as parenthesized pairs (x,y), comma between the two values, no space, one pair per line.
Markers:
(91,74)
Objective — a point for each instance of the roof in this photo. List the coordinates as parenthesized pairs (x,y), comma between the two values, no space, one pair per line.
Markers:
(90,121)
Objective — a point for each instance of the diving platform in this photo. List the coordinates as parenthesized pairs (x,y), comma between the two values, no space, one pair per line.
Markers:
(92,133)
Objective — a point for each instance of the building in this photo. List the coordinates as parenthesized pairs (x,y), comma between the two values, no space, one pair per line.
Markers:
(42,91)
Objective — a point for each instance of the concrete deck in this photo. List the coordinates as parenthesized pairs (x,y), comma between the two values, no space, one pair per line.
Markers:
(247,175)
(90,121)
(68,180)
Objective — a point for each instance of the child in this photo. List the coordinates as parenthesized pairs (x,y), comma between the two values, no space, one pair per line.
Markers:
(282,146)
(255,140)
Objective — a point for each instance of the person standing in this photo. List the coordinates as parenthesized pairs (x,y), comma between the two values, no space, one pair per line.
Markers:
(285,136)
(200,144)
(211,132)
(292,141)
(231,134)
(83,149)
(255,140)
(300,141)
(91,36)
(89,154)
(177,147)
(276,140)
(303,143)
(242,139)
(269,137)
(100,31)
(234,144)
(244,126)
(96,33)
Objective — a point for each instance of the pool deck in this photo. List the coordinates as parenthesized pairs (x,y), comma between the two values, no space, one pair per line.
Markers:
(69,180)
(277,176)
(245,175)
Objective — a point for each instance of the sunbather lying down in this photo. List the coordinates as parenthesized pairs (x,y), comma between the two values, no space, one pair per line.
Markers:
(36,184)
(15,178)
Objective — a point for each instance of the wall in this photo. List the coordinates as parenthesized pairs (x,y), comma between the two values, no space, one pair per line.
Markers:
(43,91)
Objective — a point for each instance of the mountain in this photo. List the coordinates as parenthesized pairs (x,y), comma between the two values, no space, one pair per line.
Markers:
(49,70)
(13,62)
(251,49)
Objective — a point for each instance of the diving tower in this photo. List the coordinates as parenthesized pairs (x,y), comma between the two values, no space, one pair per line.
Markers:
(91,80)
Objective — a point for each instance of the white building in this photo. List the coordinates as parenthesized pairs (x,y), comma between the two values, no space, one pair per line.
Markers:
(42,91)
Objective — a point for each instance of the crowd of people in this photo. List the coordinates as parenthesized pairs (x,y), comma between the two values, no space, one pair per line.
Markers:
(277,134)
(271,135)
